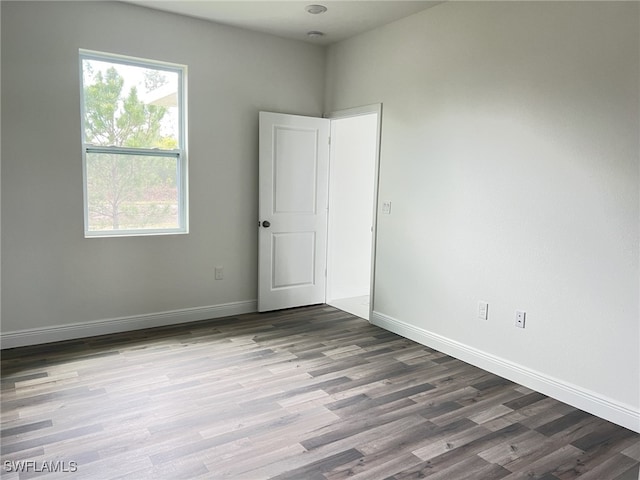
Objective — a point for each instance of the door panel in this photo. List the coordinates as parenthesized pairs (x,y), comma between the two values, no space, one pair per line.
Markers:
(293,193)
(295,254)
(295,170)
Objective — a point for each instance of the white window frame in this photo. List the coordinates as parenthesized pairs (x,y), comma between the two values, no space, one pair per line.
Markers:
(180,154)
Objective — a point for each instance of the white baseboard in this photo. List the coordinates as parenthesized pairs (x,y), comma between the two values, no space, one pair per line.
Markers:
(586,400)
(57,333)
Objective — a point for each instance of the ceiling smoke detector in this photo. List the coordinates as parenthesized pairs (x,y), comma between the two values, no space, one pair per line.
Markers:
(315,9)
(315,34)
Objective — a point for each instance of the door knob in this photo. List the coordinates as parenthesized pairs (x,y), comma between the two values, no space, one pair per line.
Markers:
(266,224)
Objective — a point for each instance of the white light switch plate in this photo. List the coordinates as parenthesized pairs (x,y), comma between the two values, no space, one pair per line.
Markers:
(386,208)
(219,273)
(483,310)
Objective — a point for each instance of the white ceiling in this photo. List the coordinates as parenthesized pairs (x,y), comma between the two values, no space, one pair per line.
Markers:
(289,19)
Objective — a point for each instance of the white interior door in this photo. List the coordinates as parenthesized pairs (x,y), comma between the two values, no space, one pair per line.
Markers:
(293,193)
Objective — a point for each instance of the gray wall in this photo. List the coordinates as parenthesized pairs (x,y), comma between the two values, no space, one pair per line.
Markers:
(510,152)
(51,274)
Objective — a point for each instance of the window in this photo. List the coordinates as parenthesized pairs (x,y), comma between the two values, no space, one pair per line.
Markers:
(134,155)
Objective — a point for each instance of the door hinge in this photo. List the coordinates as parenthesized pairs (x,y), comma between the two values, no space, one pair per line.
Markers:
(329,140)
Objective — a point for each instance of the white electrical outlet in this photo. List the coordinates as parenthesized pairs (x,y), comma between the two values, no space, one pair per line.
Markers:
(520,318)
(219,273)
(483,310)
(386,207)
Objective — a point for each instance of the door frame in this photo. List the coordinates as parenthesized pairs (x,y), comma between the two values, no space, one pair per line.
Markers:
(375,108)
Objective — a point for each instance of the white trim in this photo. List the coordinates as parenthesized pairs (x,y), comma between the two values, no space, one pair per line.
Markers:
(592,402)
(34,336)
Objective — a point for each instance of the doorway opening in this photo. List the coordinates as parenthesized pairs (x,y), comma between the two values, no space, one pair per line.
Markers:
(353,179)
(316,236)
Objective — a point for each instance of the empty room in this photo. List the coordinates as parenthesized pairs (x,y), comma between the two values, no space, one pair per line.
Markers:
(297,240)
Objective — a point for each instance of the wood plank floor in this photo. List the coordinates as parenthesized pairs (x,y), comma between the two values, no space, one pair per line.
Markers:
(303,394)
